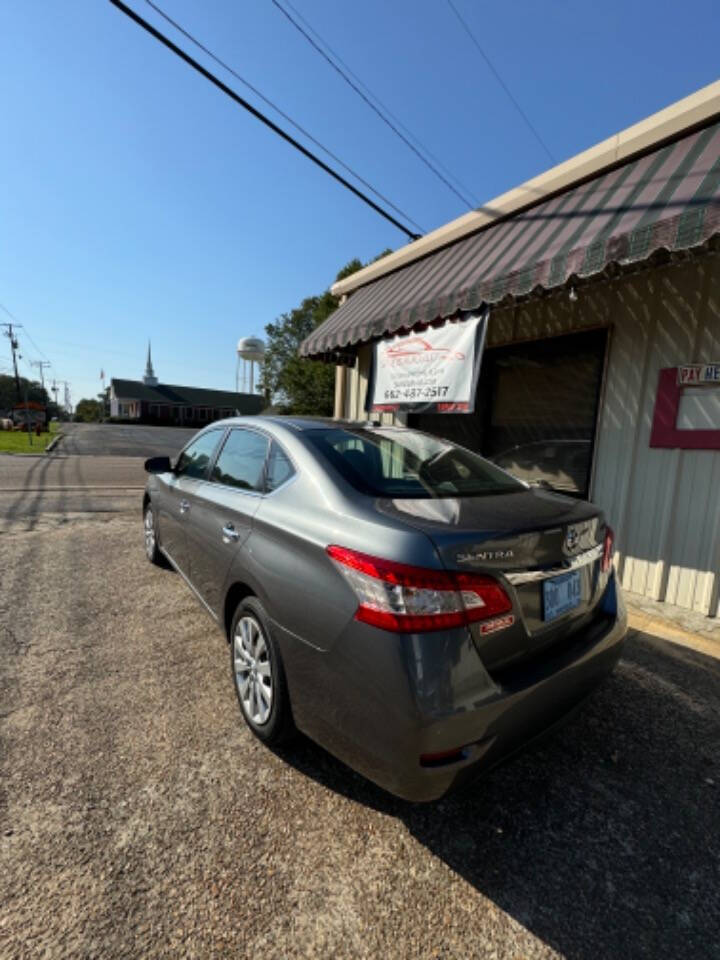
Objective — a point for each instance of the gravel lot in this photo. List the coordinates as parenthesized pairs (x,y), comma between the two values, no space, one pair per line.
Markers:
(141,819)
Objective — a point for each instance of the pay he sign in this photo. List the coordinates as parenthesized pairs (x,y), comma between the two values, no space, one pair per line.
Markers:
(699,373)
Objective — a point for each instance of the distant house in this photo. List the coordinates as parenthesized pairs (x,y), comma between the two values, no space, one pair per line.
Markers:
(153,402)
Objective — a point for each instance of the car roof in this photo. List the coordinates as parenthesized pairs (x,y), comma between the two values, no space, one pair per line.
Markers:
(301,424)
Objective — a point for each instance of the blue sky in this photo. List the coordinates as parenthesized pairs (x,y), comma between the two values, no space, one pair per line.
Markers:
(136,200)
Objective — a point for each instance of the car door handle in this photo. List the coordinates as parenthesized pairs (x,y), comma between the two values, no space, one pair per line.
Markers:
(229,533)
(184,506)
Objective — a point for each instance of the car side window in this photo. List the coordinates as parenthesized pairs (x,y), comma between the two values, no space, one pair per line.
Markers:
(241,462)
(194,460)
(279,468)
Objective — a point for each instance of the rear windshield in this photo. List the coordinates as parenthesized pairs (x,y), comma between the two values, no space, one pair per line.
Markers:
(396,463)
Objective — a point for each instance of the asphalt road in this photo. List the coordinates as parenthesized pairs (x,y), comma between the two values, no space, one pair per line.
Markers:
(122,440)
(140,818)
(57,488)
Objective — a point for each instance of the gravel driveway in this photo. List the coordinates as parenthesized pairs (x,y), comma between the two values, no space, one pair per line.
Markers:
(141,819)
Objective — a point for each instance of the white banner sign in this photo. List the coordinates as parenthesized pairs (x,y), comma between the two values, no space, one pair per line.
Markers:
(433,371)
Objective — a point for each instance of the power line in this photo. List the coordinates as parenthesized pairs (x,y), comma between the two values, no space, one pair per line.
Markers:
(36,347)
(260,116)
(27,334)
(501,81)
(282,113)
(9,333)
(369,102)
(383,106)
(5,310)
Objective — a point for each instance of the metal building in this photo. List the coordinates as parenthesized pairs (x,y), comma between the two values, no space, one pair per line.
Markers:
(601,368)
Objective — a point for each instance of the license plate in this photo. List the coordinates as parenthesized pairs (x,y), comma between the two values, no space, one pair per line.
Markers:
(561,594)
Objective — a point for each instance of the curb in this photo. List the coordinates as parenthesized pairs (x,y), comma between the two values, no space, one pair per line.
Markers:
(53,443)
(664,630)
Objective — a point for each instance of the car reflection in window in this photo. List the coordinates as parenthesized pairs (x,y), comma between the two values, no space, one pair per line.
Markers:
(562,463)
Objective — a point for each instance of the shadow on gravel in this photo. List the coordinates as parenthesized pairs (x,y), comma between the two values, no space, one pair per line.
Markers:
(604,841)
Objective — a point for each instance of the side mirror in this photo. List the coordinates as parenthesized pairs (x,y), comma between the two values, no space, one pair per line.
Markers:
(158,465)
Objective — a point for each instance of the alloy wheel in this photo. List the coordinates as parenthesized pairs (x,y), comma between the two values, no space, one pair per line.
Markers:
(253,670)
(149,525)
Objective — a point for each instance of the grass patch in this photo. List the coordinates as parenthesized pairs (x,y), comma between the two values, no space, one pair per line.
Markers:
(17,441)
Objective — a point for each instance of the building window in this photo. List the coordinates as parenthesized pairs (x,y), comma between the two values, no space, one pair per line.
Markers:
(536,410)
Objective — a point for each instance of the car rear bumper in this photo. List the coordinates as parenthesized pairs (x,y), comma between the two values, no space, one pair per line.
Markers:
(496,730)
(390,700)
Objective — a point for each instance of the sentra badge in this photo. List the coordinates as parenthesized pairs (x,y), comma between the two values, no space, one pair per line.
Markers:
(480,555)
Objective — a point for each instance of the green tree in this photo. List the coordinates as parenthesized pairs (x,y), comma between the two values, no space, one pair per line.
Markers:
(89,411)
(294,383)
(8,392)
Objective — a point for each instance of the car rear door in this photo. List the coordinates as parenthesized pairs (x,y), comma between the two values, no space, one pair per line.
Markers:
(222,509)
(178,488)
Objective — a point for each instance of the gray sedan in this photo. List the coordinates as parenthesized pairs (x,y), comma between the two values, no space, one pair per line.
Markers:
(407,604)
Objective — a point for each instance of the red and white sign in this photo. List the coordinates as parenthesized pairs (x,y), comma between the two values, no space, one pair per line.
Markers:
(29,413)
(433,370)
(695,374)
(687,413)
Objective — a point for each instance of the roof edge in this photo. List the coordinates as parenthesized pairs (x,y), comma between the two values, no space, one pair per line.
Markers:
(679,117)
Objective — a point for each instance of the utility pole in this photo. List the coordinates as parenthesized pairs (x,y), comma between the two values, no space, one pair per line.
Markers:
(41,364)
(27,417)
(66,402)
(56,387)
(14,346)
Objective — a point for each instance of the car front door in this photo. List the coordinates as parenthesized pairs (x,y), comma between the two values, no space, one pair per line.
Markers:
(175,500)
(222,510)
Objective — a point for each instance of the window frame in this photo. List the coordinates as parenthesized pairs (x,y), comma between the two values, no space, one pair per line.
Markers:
(226,486)
(225,431)
(213,458)
(270,439)
(287,480)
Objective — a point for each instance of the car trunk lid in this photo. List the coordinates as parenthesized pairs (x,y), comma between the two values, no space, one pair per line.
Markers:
(545,548)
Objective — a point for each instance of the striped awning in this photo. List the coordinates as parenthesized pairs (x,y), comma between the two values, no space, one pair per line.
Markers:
(668,199)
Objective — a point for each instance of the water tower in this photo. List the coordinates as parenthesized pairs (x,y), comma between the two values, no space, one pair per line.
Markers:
(250,350)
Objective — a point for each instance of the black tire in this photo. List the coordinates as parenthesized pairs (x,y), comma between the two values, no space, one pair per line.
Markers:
(277,726)
(152,551)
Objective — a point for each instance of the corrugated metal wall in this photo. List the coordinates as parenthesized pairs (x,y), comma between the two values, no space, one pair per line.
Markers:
(664,504)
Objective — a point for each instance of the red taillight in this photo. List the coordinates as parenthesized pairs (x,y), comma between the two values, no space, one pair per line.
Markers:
(608,546)
(406,599)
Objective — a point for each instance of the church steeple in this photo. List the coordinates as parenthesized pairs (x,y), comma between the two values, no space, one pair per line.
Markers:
(149,378)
